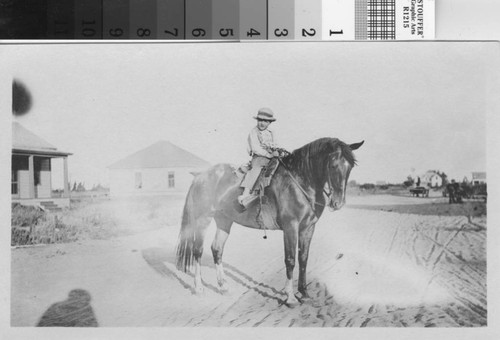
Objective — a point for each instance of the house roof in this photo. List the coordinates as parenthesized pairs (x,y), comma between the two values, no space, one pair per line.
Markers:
(25,141)
(162,154)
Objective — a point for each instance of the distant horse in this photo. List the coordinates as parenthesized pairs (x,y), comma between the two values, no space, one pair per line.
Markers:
(455,193)
(295,199)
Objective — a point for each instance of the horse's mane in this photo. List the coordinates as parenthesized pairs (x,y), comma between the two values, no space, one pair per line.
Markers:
(312,157)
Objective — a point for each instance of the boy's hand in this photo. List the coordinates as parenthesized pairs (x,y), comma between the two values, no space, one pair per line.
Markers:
(281,152)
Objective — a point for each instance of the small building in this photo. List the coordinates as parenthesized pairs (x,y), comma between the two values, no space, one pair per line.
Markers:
(31,181)
(432,179)
(161,168)
(478,178)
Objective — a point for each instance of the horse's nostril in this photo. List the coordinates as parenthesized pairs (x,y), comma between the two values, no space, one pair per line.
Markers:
(337,205)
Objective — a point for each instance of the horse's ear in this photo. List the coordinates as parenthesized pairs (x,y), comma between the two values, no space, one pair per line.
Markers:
(356,146)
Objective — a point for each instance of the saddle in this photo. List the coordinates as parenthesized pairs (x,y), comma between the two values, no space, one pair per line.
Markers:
(265,217)
(265,176)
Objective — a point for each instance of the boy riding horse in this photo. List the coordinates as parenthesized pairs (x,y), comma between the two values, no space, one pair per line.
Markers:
(261,147)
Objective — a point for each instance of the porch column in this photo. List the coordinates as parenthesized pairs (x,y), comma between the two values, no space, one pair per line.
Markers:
(66,185)
(31,171)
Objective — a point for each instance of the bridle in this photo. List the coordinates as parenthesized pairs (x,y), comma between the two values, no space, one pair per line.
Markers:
(329,194)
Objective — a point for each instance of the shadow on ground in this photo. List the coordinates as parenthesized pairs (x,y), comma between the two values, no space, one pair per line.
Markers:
(75,311)
(164,262)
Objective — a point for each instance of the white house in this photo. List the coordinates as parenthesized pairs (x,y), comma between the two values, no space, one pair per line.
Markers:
(158,169)
(478,178)
(431,179)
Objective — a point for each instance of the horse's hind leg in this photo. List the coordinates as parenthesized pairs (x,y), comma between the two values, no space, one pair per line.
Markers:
(199,237)
(221,235)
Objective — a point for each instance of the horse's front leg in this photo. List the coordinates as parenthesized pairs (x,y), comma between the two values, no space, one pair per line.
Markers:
(305,236)
(290,238)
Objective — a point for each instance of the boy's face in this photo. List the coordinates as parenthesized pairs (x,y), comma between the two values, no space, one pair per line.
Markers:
(262,124)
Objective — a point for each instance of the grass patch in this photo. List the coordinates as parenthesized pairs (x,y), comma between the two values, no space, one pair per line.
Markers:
(31,225)
(94,219)
(26,216)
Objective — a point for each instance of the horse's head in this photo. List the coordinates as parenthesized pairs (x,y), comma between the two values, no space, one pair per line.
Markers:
(339,166)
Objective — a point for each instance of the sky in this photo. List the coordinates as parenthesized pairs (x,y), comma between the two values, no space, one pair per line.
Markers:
(417,106)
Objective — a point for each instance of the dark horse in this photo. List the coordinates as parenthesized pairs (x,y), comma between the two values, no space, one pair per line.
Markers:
(295,198)
(456,192)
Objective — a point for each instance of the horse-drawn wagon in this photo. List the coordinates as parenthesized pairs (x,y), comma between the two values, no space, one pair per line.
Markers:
(419,191)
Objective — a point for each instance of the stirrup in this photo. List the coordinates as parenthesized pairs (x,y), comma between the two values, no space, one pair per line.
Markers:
(246,200)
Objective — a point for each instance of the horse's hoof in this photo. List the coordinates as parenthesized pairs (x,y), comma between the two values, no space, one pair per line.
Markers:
(292,302)
(199,290)
(223,289)
(303,298)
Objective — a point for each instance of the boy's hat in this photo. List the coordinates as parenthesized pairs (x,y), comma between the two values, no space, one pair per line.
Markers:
(265,114)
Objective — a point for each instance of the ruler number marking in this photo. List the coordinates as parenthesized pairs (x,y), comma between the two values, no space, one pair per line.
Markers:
(198,32)
(143,32)
(308,33)
(252,32)
(225,32)
(280,32)
(88,31)
(116,32)
(336,32)
(175,33)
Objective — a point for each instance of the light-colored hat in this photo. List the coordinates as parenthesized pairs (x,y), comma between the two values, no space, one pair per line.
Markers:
(265,114)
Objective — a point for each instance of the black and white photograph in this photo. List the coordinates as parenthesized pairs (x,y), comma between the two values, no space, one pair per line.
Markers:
(267,185)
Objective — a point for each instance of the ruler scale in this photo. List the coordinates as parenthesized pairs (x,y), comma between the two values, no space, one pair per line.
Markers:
(281,19)
(142,19)
(170,19)
(253,20)
(88,19)
(60,19)
(308,19)
(242,20)
(23,19)
(198,19)
(338,20)
(225,19)
(115,23)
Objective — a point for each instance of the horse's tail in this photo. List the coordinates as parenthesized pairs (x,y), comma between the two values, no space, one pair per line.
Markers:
(203,194)
(185,242)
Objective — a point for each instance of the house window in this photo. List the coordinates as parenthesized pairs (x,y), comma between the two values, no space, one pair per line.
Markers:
(171,179)
(19,163)
(14,187)
(138,180)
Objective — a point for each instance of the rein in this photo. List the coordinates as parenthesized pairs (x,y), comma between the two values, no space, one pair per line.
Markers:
(309,199)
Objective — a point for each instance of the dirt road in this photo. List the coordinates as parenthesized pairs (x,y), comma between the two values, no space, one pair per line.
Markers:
(367,268)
